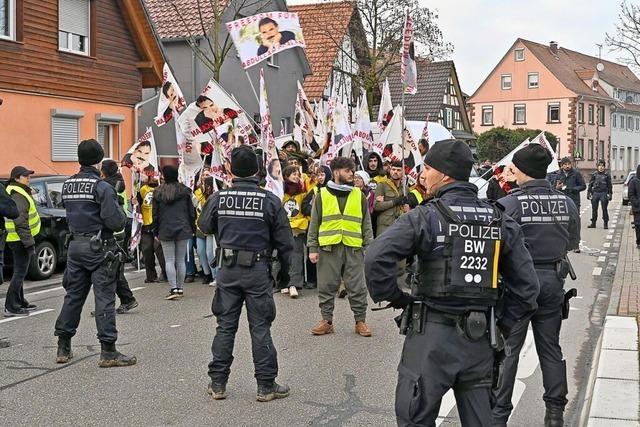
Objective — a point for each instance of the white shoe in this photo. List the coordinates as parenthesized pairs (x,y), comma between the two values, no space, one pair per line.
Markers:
(284,290)
(213,283)
(293,292)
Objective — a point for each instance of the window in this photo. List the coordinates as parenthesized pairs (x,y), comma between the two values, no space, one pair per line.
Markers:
(580,149)
(54,190)
(273,60)
(629,123)
(7,19)
(614,158)
(519,114)
(73,26)
(105,137)
(285,124)
(601,115)
(553,112)
(601,150)
(39,195)
(532,78)
(614,120)
(65,132)
(519,54)
(590,113)
(505,81)
(637,123)
(448,118)
(590,149)
(487,115)
(581,112)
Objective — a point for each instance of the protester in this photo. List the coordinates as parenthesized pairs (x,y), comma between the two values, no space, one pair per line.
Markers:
(8,209)
(634,201)
(418,193)
(600,192)
(389,198)
(205,244)
(373,166)
(20,237)
(361,180)
(174,225)
(501,183)
(570,182)
(339,230)
(151,247)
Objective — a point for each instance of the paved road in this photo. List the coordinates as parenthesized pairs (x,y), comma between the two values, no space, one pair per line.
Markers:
(341,379)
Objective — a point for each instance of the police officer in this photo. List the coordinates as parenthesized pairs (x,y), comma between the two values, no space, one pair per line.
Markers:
(93,214)
(600,192)
(248,223)
(462,244)
(551,225)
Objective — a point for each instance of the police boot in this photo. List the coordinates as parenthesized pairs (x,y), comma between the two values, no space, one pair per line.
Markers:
(110,357)
(217,390)
(64,350)
(554,417)
(592,225)
(271,390)
(606,225)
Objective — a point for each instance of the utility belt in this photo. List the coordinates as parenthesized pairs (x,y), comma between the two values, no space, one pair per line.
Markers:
(242,258)
(96,242)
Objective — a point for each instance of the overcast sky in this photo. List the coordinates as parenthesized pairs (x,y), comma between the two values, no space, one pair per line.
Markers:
(483,30)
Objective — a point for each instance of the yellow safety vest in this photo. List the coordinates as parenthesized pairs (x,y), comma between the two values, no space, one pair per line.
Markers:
(336,227)
(34,218)
(418,195)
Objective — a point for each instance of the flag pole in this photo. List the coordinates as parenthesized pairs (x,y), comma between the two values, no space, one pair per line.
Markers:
(252,87)
(404,178)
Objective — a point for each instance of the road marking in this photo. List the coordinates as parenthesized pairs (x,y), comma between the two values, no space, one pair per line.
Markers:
(597,271)
(174,326)
(608,236)
(138,288)
(33,313)
(607,245)
(45,291)
(602,258)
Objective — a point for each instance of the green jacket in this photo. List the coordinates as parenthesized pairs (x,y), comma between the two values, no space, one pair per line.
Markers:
(388,210)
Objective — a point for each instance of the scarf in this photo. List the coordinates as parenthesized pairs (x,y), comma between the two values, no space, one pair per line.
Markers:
(293,188)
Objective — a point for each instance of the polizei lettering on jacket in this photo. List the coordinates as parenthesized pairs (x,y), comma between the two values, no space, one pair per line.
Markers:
(241,204)
(79,189)
(544,207)
(474,252)
(472,231)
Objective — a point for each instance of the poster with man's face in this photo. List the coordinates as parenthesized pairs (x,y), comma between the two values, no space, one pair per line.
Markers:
(171,100)
(258,37)
(142,158)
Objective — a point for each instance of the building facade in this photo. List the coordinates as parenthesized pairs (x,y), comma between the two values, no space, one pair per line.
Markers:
(71,70)
(625,129)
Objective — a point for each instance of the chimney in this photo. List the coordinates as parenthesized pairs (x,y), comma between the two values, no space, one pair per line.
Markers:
(554,47)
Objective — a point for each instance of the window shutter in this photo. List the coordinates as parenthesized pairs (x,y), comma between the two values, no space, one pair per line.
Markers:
(73,16)
(64,139)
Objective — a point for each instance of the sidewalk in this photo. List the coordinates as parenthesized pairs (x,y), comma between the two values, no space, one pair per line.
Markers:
(616,390)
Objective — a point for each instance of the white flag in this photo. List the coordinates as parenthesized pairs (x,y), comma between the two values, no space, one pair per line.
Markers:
(303,124)
(171,100)
(141,157)
(385,113)
(341,133)
(408,69)
(362,135)
(542,140)
(268,142)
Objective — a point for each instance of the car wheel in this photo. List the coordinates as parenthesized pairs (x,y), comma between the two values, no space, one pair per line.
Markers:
(45,262)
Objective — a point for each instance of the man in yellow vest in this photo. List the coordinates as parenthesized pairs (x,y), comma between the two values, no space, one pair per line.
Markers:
(339,230)
(20,238)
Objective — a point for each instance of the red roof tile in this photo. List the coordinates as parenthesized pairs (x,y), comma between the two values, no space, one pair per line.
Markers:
(171,24)
(324,26)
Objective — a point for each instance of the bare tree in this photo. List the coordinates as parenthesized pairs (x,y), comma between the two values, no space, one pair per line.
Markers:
(626,38)
(203,21)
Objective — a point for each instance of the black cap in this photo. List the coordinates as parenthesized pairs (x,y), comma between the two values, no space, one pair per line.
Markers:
(452,157)
(565,159)
(109,167)
(244,162)
(90,152)
(533,160)
(170,173)
(19,171)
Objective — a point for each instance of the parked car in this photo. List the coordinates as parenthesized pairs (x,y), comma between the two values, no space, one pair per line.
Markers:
(625,192)
(50,250)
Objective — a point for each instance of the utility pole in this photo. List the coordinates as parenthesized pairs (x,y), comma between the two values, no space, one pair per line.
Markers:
(599,50)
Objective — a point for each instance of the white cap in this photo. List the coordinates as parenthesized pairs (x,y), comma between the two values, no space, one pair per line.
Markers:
(365,176)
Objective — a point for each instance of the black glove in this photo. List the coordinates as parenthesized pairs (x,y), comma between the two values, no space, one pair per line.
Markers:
(402,301)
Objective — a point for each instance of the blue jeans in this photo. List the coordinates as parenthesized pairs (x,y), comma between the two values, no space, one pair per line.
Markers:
(174,254)
(206,253)
(189,258)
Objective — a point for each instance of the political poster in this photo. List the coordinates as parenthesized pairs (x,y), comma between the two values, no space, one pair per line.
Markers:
(260,36)
(385,113)
(142,157)
(362,135)
(171,100)
(341,135)
(304,122)
(408,69)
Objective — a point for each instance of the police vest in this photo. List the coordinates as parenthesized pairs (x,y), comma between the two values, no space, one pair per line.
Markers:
(600,183)
(418,195)
(34,218)
(293,207)
(244,218)
(146,194)
(467,270)
(81,203)
(337,227)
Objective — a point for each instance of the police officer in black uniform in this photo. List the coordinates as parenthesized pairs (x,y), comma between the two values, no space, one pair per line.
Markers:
(249,223)
(462,245)
(551,225)
(93,215)
(600,192)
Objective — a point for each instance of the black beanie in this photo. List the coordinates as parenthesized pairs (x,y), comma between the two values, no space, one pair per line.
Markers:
(109,167)
(452,157)
(90,152)
(533,160)
(244,162)
(170,174)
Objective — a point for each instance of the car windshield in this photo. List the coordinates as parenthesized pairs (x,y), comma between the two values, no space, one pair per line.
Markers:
(39,196)
(54,189)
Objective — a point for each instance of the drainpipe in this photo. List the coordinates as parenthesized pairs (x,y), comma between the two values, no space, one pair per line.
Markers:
(136,108)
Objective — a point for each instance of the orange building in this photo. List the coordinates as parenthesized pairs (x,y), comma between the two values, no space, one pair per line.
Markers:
(554,89)
(72,70)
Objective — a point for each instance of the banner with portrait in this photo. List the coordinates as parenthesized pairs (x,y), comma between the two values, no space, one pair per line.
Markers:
(142,157)
(408,69)
(304,122)
(341,135)
(171,100)
(260,36)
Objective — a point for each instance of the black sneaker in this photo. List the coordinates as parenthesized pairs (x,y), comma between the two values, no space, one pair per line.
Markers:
(217,391)
(189,279)
(172,295)
(592,225)
(30,306)
(180,292)
(21,312)
(125,308)
(64,353)
(273,390)
(151,281)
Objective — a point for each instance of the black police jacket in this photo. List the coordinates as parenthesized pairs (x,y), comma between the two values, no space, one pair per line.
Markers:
(92,204)
(8,207)
(418,232)
(600,182)
(247,217)
(574,182)
(549,219)
(634,193)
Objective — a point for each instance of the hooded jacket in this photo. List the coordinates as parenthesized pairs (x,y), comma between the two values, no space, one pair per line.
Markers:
(174,216)
(634,192)
(377,174)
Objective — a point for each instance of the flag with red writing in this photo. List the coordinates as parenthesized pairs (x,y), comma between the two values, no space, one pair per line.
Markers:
(408,69)
(170,100)
(385,113)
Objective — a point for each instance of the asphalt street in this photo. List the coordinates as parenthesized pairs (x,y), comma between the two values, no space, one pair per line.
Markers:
(336,380)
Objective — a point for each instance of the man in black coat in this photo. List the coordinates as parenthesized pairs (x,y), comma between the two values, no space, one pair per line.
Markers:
(600,192)
(569,181)
(634,200)
(8,209)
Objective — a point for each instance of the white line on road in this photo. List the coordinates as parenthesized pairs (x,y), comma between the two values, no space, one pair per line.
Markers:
(45,291)
(608,236)
(602,258)
(607,245)
(597,271)
(33,313)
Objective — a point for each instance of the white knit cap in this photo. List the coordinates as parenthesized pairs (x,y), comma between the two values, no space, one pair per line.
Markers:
(365,176)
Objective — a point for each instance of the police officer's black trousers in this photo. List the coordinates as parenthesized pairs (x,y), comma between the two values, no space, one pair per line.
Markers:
(84,268)
(599,198)
(252,286)
(435,361)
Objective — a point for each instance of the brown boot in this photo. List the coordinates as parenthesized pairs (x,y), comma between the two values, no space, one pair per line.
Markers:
(322,328)
(362,329)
